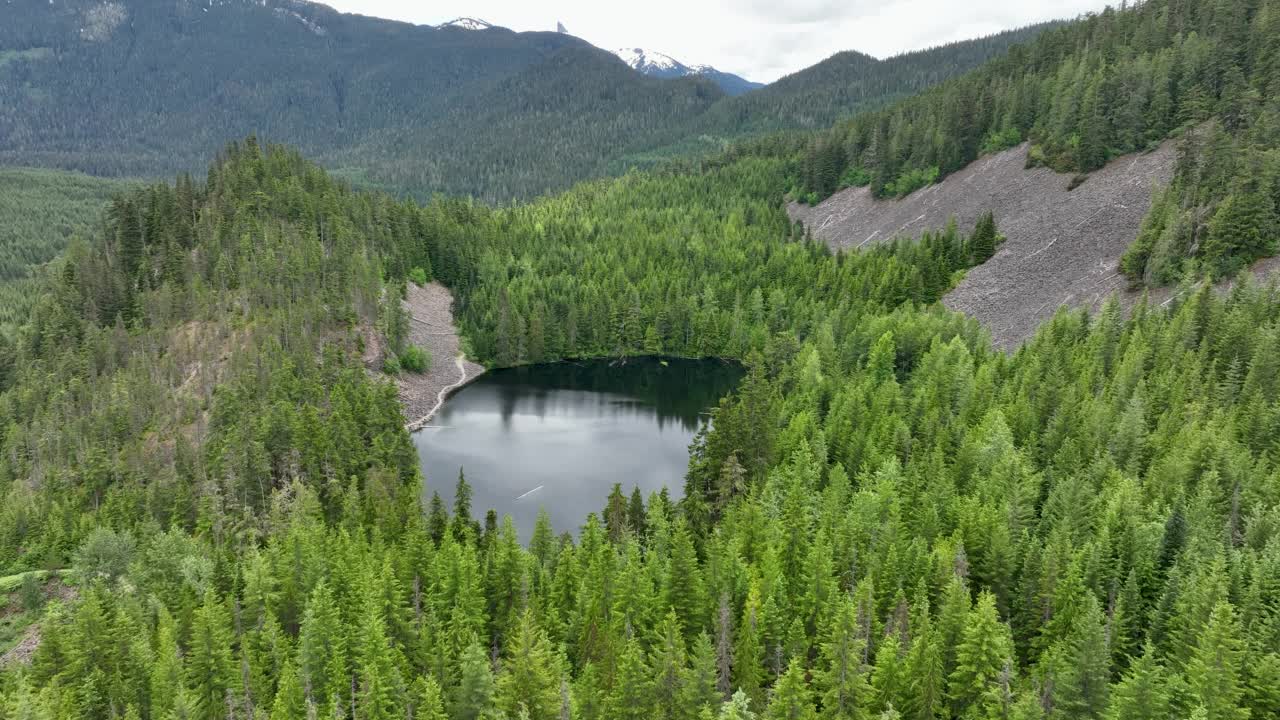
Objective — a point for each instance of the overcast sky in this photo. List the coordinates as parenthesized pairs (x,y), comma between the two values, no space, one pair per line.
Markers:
(761,40)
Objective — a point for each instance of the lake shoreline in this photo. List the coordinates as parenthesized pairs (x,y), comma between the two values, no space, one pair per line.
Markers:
(465,378)
(558,436)
(468,372)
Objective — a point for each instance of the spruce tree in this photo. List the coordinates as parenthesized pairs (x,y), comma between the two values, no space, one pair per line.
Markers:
(737,707)
(1215,668)
(291,701)
(211,672)
(792,699)
(985,651)
(1081,679)
(983,241)
(473,696)
(840,676)
(426,702)
(322,652)
(748,651)
(632,696)
(1143,694)
(529,681)
(669,665)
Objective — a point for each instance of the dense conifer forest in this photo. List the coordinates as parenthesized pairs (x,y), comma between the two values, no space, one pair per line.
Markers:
(887,517)
(42,211)
(211,508)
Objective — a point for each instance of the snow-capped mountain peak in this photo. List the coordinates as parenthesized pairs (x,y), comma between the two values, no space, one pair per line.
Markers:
(466,23)
(651,63)
(658,65)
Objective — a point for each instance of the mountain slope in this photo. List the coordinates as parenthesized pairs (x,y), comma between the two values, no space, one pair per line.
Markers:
(851,82)
(1063,244)
(1088,92)
(141,87)
(149,87)
(550,125)
(41,211)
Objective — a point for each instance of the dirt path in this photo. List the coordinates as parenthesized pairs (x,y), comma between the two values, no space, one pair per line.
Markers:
(431,327)
(463,378)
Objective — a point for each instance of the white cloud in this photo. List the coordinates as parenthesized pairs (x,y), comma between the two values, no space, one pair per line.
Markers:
(758,39)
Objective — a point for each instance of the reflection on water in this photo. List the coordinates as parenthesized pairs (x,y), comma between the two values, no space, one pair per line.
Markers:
(559,436)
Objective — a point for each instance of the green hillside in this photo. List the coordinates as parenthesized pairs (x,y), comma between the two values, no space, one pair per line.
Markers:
(888,519)
(40,212)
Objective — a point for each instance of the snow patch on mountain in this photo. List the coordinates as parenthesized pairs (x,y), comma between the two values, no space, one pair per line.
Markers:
(656,64)
(649,62)
(466,23)
(299,17)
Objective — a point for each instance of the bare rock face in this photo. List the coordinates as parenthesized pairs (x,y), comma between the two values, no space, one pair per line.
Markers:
(1062,246)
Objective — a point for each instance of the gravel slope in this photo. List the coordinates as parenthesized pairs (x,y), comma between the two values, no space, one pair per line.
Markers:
(431,326)
(1063,246)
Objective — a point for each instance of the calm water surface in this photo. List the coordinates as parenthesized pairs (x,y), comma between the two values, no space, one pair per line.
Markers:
(559,436)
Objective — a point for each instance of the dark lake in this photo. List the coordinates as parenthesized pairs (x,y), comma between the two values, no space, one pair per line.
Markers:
(559,436)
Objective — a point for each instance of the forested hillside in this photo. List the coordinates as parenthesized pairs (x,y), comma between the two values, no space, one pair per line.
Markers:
(851,82)
(210,508)
(888,519)
(147,88)
(41,212)
(1086,92)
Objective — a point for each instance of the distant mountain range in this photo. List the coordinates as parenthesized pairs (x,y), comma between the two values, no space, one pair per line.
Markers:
(655,64)
(145,88)
(647,62)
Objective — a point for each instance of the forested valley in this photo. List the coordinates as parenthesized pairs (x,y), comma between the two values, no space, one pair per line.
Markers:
(213,509)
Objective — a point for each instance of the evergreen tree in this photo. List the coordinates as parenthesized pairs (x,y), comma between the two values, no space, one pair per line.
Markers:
(1215,668)
(462,524)
(426,702)
(1080,684)
(210,669)
(737,707)
(748,651)
(984,653)
(631,697)
(682,587)
(1243,229)
(983,241)
(792,699)
(322,653)
(668,663)
(1143,694)
(473,696)
(166,669)
(291,701)
(530,678)
(841,678)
